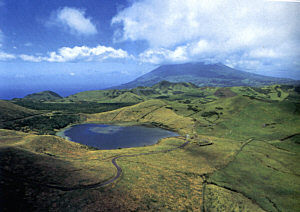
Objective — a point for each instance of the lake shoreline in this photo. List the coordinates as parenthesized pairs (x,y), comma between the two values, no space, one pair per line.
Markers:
(115,136)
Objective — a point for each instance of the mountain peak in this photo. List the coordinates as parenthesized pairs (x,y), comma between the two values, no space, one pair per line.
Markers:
(202,74)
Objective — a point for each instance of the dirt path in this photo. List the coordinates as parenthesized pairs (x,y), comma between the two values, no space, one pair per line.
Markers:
(119,170)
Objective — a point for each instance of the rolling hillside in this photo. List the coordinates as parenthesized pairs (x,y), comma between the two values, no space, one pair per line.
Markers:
(250,164)
(181,90)
(155,112)
(134,95)
(10,111)
(43,96)
(202,74)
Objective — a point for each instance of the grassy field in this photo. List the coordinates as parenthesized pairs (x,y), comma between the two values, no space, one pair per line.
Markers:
(155,112)
(266,175)
(250,164)
(10,111)
(49,160)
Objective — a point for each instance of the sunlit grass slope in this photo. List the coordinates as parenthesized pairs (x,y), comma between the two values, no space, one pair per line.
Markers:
(265,174)
(96,95)
(241,117)
(154,112)
(127,98)
(172,181)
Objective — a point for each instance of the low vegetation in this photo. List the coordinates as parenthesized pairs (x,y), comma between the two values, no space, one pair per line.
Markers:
(43,124)
(10,111)
(71,107)
(243,152)
(155,112)
(275,182)
(43,96)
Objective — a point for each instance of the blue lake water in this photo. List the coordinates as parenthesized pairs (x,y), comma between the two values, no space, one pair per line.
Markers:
(113,137)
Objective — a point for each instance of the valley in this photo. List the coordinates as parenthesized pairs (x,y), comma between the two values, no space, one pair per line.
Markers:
(241,152)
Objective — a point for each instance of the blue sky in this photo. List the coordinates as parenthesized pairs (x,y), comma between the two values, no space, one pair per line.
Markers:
(69,46)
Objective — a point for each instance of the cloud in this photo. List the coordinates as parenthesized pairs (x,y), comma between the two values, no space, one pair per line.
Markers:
(79,53)
(162,55)
(293,1)
(264,53)
(74,21)
(28,44)
(6,56)
(31,58)
(212,30)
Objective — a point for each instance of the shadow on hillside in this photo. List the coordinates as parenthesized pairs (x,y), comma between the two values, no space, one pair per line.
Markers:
(23,185)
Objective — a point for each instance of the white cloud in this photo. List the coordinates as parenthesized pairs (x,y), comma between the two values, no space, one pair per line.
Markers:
(31,58)
(214,29)
(293,1)
(74,20)
(262,52)
(79,53)
(6,56)
(161,55)
(28,44)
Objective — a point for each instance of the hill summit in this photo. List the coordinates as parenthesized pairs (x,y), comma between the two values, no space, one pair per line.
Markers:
(43,96)
(201,74)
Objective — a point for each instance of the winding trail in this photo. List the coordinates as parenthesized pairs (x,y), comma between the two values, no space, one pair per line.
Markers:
(119,169)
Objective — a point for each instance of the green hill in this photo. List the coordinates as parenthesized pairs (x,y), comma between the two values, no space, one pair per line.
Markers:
(95,96)
(10,111)
(127,97)
(134,95)
(155,112)
(43,96)
(181,90)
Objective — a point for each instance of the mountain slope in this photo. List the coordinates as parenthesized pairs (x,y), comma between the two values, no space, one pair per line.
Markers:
(163,85)
(204,75)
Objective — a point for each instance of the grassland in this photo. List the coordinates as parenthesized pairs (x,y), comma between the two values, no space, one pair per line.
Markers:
(155,112)
(10,111)
(42,117)
(251,164)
